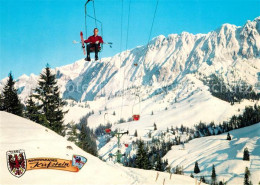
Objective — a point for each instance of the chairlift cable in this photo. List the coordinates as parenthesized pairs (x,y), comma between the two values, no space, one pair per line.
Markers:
(86,30)
(94,13)
(154,15)
(129,9)
(127,34)
(121,38)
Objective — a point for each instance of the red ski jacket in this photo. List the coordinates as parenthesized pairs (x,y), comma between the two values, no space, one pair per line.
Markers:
(92,39)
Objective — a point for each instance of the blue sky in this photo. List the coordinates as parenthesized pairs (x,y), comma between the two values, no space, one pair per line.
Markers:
(36,32)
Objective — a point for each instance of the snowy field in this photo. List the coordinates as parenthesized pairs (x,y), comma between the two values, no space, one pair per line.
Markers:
(227,156)
(37,141)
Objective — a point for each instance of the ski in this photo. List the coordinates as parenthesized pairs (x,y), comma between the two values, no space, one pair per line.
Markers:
(82,42)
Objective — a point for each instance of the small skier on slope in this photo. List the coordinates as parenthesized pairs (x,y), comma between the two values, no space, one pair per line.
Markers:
(94,42)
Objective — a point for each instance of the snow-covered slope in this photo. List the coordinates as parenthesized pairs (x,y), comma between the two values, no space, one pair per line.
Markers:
(37,141)
(227,156)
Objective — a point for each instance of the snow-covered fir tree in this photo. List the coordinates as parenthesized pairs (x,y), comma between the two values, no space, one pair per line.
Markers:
(49,101)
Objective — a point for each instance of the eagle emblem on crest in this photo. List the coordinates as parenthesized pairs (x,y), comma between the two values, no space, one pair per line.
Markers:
(16,162)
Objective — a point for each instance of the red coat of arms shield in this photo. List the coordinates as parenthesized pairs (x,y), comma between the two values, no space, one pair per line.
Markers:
(16,162)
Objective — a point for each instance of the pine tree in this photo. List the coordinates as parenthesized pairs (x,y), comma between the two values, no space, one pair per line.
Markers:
(179,170)
(176,170)
(246,156)
(163,148)
(135,134)
(11,102)
(1,102)
(32,110)
(150,134)
(50,104)
(168,146)
(147,164)
(213,176)
(87,140)
(191,175)
(73,135)
(228,136)
(196,168)
(165,164)
(247,177)
(202,179)
(155,127)
(158,166)
(142,160)
(140,155)
(172,128)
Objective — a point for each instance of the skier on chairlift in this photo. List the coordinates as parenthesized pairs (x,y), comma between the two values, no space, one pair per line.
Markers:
(94,44)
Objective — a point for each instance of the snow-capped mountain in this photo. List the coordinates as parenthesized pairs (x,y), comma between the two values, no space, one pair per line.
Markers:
(163,74)
(229,50)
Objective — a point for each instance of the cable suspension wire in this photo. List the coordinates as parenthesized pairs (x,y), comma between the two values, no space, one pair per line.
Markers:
(154,15)
(129,9)
(95,13)
(86,30)
(128,22)
(86,15)
(121,38)
(121,34)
